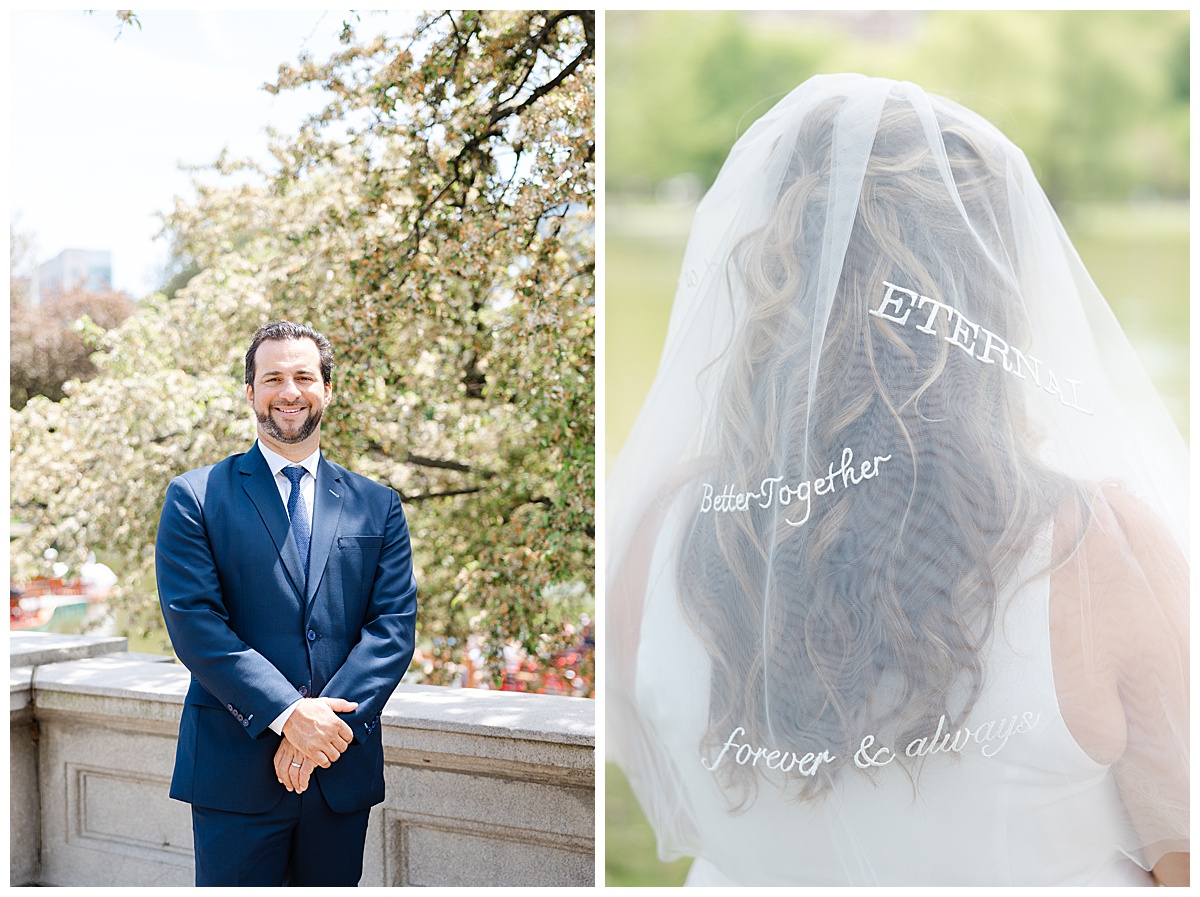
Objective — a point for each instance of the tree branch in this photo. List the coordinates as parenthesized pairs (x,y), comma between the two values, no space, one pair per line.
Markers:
(422,461)
(502,112)
(417,499)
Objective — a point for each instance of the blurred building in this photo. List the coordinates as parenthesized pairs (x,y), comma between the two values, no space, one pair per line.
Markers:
(87,268)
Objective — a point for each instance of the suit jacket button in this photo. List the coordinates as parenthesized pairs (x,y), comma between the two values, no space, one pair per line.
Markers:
(304,691)
(312,636)
(246,724)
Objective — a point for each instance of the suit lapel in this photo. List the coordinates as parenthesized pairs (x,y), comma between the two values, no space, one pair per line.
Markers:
(260,487)
(328,498)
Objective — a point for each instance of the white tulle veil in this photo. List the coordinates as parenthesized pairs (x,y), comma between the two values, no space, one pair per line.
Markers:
(887,376)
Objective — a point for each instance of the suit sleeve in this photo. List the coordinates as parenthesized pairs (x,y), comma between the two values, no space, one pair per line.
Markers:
(377,662)
(193,606)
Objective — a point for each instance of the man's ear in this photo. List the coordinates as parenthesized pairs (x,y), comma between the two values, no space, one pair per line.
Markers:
(250,394)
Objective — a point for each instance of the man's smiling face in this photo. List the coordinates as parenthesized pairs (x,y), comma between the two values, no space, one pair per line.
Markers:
(288,396)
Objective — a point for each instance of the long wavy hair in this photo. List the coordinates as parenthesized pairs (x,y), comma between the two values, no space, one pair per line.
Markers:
(874,616)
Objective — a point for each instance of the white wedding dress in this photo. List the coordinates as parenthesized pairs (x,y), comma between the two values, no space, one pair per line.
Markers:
(1039,811)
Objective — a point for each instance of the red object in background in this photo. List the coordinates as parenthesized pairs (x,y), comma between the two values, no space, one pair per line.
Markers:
(42,585)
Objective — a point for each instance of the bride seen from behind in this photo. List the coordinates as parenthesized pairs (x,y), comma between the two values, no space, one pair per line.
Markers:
(904,504)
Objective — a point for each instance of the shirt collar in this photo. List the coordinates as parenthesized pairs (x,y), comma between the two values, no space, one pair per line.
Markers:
(277,462)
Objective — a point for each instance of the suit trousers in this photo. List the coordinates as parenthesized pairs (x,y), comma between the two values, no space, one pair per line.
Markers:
(299,842)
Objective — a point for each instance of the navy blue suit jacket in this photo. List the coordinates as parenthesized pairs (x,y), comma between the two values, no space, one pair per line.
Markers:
(255,637)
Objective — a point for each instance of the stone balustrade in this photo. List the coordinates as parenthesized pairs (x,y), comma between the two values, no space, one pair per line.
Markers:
(483,788)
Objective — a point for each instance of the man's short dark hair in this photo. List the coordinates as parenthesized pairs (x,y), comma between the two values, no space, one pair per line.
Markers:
(281,330)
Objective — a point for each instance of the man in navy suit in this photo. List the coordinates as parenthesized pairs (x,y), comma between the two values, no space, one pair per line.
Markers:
(287,587)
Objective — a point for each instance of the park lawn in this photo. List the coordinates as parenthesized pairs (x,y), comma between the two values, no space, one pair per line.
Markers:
(630,859)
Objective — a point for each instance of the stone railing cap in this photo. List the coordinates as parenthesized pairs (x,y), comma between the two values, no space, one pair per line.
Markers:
(533,717)
(484,712)
(36,648)
(117,675)
(20,692)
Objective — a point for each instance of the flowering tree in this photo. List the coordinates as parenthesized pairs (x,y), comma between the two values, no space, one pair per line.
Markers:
(435,220)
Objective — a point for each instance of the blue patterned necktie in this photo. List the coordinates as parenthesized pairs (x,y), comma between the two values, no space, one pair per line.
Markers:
(298,513)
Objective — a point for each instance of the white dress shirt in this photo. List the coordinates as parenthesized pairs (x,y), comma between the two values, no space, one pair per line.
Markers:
(308,484)
(308,491)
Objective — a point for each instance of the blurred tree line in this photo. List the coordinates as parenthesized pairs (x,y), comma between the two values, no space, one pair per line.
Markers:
(1097,100)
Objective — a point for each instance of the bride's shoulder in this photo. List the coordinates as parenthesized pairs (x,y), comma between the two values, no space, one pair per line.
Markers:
(1126,572)
(1116,533)
(1118,615)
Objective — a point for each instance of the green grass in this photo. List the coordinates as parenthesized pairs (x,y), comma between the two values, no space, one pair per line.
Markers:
(630,859)
(643,256)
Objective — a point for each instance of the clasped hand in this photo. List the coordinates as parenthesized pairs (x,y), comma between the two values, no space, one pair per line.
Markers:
(312,736)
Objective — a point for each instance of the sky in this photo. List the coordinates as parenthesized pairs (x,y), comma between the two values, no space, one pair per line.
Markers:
(99,123)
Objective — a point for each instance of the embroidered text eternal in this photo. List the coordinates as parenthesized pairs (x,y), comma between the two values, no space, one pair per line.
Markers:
(977,341)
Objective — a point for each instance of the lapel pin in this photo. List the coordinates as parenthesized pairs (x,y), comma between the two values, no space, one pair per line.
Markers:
(334,494)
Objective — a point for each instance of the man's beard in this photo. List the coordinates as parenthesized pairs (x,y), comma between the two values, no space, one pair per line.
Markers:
(306,429)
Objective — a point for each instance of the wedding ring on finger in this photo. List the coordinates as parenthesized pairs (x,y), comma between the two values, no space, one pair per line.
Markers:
(295,764)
